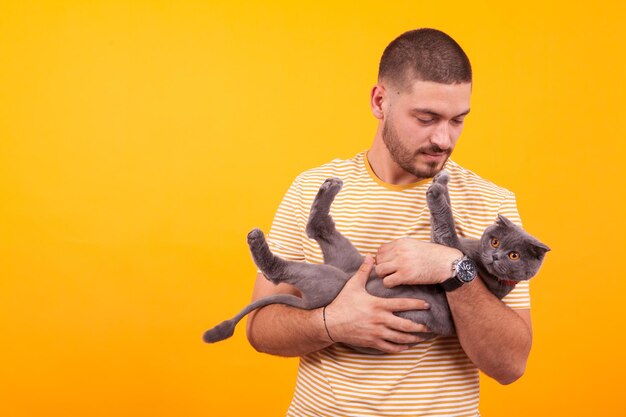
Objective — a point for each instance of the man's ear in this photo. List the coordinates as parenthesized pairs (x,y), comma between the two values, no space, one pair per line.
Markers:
(377,100)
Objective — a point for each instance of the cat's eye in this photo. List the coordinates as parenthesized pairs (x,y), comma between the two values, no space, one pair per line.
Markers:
(495,242)
(514,256)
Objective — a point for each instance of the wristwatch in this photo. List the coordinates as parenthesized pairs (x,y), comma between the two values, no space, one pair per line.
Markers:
(463,271)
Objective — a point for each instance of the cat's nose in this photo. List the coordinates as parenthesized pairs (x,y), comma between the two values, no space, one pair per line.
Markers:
(495,257)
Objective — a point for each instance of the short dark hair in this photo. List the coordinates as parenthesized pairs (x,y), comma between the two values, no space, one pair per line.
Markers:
(424,54)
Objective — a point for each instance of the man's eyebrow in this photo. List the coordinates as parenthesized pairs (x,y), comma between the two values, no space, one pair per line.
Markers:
(434,113)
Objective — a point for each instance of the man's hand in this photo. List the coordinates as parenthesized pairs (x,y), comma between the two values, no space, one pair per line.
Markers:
(358,318)
(410,261)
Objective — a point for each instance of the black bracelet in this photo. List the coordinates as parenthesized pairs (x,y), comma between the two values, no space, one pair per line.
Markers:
(325,326)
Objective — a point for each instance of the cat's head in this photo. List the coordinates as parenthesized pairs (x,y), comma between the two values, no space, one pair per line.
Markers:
(509,253)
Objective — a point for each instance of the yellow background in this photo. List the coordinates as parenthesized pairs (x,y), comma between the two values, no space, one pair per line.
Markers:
(141,140)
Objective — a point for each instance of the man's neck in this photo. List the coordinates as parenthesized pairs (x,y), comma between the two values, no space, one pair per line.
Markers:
(385,168)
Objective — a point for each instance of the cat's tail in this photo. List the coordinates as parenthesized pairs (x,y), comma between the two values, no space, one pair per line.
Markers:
(225,329)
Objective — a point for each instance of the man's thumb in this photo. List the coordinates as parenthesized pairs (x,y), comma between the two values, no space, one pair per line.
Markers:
(364,270)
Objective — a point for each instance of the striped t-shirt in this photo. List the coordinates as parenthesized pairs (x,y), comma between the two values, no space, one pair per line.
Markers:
(433,378)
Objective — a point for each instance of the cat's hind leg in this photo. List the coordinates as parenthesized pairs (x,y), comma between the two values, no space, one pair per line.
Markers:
(317,283)
(273,267)
(336,248)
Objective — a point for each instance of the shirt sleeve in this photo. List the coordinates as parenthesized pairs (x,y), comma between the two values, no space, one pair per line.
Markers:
(519,298)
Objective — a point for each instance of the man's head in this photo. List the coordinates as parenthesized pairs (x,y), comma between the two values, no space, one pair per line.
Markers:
(426,55)
(421,99)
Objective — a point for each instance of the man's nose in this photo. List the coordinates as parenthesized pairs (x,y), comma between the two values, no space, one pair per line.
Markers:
(441,136)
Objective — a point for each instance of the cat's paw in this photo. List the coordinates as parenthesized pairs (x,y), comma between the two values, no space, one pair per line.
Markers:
(255,237)
(324,198)
(439,186)
(332,185)
(435,191)
(442,178)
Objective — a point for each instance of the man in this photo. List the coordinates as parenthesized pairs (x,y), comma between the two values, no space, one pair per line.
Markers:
(421,100)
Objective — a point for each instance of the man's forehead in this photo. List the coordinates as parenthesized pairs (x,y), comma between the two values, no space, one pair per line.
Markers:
(443,99)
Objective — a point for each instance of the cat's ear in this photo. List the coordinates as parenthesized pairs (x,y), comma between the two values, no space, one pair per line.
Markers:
(538,248)
(503,221)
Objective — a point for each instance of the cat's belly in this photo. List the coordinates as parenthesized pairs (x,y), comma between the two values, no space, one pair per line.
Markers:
(437,318)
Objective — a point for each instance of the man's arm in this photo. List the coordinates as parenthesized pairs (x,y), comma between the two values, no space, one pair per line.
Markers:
(283,330)
(355,317)
(496,338)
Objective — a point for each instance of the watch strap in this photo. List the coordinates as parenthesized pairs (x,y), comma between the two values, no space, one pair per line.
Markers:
(452,284)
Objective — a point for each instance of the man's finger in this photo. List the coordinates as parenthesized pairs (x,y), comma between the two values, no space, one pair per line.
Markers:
(388,347)
(402,338)
(383,248)
(392,280)
(405,304)
(385,268)
(406,326)
(360,277)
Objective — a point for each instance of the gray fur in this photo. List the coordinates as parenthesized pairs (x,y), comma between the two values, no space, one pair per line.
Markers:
(320,284)
(497,271)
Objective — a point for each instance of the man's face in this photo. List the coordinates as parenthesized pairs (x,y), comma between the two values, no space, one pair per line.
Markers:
(422,125)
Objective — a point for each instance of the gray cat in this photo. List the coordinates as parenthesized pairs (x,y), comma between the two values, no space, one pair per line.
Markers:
(505,255)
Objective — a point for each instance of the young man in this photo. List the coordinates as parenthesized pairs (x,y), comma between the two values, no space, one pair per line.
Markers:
(421,100)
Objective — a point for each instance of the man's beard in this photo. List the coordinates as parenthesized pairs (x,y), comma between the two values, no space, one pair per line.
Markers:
(406,159)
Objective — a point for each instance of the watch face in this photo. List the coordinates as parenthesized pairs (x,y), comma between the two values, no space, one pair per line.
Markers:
(466,270)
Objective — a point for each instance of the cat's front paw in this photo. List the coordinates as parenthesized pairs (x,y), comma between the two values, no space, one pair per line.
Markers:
(332,185)
(324,198)
(438,187)
(442,178)
(435,191)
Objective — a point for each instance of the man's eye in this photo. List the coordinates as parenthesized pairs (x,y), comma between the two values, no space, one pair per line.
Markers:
(457,122)
(425,121)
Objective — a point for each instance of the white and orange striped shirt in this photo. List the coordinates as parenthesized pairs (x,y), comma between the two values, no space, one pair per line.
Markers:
(433,378)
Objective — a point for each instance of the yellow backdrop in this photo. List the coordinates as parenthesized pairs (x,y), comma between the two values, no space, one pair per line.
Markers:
(141,140)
